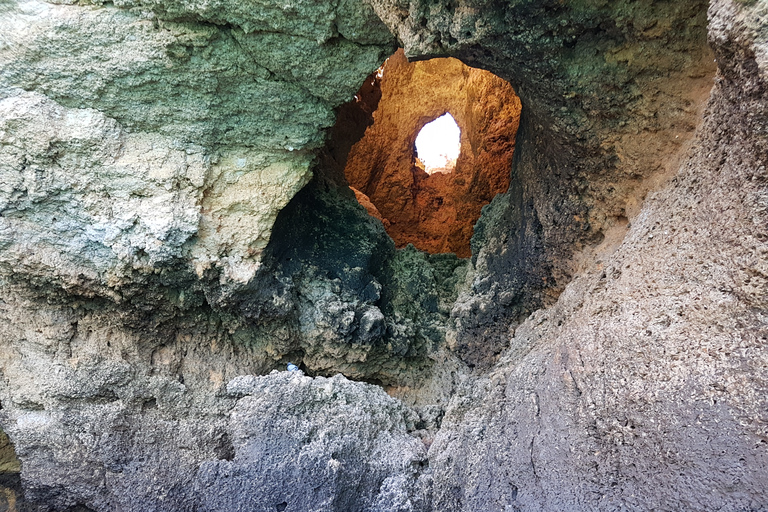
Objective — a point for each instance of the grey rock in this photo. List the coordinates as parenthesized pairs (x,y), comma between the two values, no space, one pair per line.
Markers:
(323,444)
(640,388)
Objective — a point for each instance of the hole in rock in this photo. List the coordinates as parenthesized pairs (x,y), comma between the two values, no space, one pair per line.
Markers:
(439,149)
(11,492)
(438,145)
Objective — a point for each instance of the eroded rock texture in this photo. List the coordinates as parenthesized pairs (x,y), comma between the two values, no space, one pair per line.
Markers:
(320,438)
(148,133)
(643,388)
(435,212)
(176,224)
(610,94)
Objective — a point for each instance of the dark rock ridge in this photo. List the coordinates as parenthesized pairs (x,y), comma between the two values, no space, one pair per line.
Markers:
(175,224)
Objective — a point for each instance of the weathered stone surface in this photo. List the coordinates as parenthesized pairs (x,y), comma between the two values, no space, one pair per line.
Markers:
(9,463)
(223,110)
(640,386)
(324,436)
(360,307)
(610,91)
(84,202)
(643,388)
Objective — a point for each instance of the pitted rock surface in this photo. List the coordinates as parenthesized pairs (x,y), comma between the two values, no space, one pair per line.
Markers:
(175,224)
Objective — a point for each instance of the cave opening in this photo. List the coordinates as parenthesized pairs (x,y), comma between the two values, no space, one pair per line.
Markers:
(11,491)
(439,148)
(438,145)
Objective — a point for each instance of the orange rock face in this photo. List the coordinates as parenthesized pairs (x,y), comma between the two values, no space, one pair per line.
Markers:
(437,212)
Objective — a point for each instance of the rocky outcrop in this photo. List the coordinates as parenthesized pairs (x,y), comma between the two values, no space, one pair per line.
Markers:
(604,348)
(9,463)
(435,212)
(157,134)
(642,387)
(324,436)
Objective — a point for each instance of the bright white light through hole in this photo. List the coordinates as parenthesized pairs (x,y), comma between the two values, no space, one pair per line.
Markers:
(438,144)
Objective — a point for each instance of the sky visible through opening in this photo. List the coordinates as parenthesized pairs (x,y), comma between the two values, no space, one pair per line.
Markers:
(438,144)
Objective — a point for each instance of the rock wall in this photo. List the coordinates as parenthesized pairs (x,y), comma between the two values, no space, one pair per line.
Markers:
(8,461)
(643,387)
(611,93)
(604,348)
(141,131)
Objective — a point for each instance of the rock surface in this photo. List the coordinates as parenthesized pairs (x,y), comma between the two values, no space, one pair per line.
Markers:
(289,442)
(643,388)
(176,224)
(113,114)
(8,461)
(304,444)
(611,92)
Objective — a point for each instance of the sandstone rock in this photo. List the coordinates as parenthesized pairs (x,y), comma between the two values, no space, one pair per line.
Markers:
(370,207)
(610,94)
(435,212)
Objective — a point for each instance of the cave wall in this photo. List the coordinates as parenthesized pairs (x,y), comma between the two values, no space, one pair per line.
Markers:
(611,93)
(11,491)
(143,131)
(146,152)
(168,141)
(643,387)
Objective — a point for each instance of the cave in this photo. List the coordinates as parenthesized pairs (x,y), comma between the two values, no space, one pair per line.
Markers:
(572,316)
(433,208)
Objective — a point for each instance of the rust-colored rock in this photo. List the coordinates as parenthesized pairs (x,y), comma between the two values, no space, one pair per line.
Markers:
(369,206)
(437,212)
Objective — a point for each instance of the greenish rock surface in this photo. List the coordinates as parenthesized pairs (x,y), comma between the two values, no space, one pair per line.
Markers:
(222,106)
(8,461)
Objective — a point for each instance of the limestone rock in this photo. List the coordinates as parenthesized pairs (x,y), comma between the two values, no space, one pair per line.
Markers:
(325,437)
(220,109)
(604,348)
(643,388)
